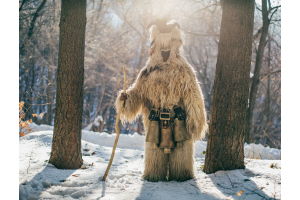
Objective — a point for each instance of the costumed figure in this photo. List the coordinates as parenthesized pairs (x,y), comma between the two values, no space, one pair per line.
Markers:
(167,94)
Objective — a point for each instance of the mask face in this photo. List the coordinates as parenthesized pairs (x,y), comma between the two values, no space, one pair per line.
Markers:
(166,40)
(165,54)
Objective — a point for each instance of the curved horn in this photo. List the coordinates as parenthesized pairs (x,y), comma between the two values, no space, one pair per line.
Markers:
(176,24)
(173,23)
(151,24)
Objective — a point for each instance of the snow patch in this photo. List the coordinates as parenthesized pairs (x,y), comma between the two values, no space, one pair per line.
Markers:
(261,152)
(44,181)
(97,120)
(137,141)
(134,141)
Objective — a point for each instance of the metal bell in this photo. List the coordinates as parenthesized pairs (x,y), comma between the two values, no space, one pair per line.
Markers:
(166,136)
(153,132)
(180,132)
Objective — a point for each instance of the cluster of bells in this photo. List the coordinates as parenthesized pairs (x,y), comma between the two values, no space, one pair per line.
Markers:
(165,132)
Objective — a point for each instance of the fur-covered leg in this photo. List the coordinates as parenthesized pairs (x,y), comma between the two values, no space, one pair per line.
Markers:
(156,164)
(181,162)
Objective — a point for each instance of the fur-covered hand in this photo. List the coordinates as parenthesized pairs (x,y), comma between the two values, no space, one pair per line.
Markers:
(123,97)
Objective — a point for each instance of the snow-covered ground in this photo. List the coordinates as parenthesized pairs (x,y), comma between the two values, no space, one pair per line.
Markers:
(39,179)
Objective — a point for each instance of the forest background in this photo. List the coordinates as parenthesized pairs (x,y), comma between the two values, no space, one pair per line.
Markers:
(116,36)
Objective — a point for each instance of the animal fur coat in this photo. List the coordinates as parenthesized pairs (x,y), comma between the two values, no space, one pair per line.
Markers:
(166,84)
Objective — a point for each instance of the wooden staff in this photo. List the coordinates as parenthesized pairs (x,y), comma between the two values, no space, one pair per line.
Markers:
(116,129)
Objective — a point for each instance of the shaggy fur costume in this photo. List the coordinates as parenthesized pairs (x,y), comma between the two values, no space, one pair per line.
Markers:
(165,84)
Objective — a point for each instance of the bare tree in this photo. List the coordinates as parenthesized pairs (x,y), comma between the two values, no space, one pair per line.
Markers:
(258,64)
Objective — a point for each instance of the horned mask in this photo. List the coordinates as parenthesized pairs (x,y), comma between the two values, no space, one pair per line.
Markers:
(166,41)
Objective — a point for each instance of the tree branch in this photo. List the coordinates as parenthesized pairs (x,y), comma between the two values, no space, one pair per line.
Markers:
(30,32)
(257,7)
(215,4)
(200,34)
(273,14)
(23,2)
(269,74)
(276,7)
(257,34)
(270,7)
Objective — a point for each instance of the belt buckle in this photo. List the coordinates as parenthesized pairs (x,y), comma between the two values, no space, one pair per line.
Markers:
(164,116)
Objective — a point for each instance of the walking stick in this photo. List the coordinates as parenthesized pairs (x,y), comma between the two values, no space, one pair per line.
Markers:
(116,129)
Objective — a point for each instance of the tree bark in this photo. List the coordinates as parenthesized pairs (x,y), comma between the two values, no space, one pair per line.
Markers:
(225,144)
(66,144)
(256,76)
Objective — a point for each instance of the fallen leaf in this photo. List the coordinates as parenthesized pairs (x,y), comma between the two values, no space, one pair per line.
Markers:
(85,149)
(21,104)
(94,153)
(74,175)
(240,193)
(83,167)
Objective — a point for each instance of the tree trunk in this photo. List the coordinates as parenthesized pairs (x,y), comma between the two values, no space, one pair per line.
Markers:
(31,90)
(139,128)
(50,98)
(66,144)
(225,144)
(50,88)
(101,98)
(256,76)
(267,134)
(108,107)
